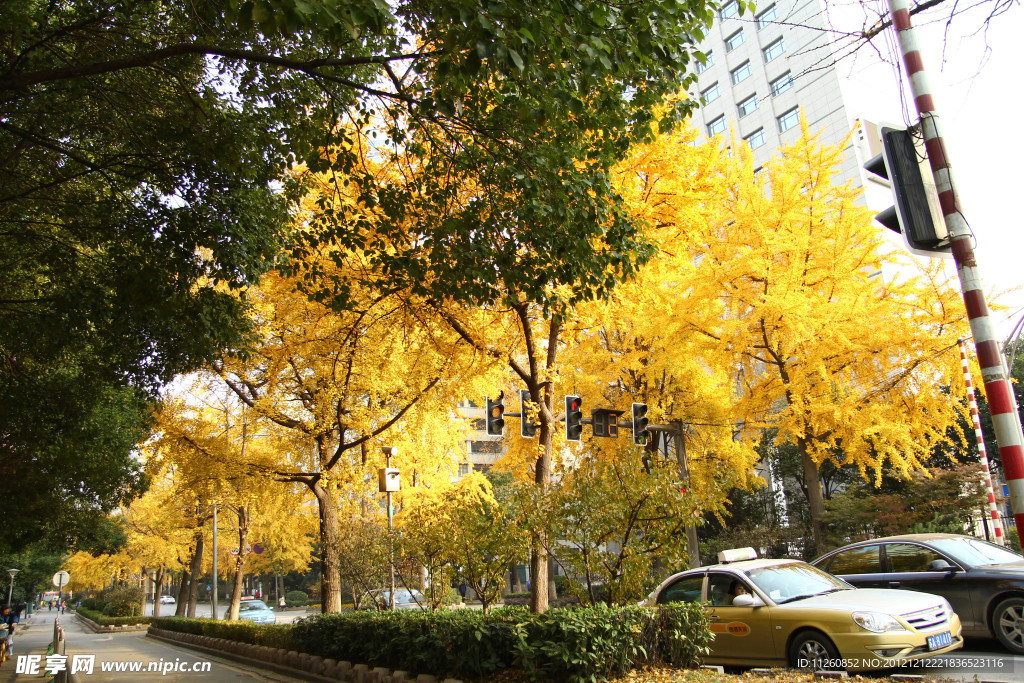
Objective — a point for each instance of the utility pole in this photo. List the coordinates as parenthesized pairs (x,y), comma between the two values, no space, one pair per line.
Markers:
(1005,421)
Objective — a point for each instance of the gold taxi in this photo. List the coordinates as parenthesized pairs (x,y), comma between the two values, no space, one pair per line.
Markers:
(788,613)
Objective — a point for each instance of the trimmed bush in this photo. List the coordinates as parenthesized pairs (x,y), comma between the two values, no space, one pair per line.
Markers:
(123,601)
(270,635)
(103,620)
(296,599)
(586,644)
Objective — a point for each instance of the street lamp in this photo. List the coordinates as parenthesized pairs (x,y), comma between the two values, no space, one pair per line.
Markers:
(10,590)
(390,481)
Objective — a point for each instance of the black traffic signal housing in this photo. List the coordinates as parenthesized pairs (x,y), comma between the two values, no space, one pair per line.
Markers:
(527,428)
(605,422)
(573,418)
(640,422)
(914,214)
(495,417)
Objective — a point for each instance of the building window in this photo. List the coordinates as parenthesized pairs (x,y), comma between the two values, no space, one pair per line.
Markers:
(748,105)
(774,50)
(740,73)
(730,9)
(485,447)
(709,59)
(711,94)
(782,83)
(717,126)
(766,17)
(734,41)
(755,140)
(463,469)
(789,120)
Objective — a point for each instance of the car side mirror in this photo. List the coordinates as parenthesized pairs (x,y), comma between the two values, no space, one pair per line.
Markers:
(746,601)
(941,566)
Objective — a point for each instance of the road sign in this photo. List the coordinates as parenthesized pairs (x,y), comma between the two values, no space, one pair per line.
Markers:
(61,578)
(257,548)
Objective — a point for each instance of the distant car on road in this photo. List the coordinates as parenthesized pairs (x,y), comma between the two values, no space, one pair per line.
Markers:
(167,600)
(405,598)
(983,582)
(256,611)
(786,612)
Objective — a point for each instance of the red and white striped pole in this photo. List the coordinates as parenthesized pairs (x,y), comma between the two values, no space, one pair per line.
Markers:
(986,475)
(1005,421)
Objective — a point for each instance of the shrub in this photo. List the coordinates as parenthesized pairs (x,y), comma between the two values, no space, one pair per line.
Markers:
(586,644)
(94,604)
(296,599)
(102,620)
(123,601)
(270,635)
(589,644)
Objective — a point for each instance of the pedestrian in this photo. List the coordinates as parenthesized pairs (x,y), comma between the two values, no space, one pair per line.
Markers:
(8,619)
(63,604)
(462,590)
(51,606)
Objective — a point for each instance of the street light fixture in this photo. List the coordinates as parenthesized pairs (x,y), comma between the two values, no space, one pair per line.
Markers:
(10,590)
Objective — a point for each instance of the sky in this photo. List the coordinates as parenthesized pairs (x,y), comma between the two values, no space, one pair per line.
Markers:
(978,95)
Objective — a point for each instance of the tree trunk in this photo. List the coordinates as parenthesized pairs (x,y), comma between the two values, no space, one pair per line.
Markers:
(815,499)
(195,569)
(539,558)
(243,538)
(182,600)
(158,589)
(330,545)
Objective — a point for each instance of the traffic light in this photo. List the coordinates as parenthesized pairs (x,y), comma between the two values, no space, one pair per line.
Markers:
(916,213)
(573,418)
(640,421)
(495,417)
(526,426)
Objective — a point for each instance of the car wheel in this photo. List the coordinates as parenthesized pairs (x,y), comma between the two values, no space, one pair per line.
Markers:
(1008,624)
(812,651)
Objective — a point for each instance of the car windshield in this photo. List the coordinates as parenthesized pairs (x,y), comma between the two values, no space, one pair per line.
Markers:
(795,581)
(252,605)
(974,552)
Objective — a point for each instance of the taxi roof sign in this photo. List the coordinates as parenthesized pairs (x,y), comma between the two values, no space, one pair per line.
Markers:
(736,555)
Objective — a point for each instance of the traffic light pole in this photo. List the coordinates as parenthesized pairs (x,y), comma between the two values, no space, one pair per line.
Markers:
(1005,420)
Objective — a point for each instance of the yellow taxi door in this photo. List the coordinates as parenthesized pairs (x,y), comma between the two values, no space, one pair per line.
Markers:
(742,634)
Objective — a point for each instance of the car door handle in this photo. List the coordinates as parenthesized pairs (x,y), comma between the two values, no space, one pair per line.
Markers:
(894,584)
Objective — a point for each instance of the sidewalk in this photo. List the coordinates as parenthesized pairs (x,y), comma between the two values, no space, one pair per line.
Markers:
(32,637)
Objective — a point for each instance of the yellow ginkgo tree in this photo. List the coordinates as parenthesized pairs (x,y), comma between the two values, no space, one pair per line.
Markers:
(777,283)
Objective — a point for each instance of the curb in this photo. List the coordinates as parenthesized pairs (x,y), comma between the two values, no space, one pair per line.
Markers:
(288,662)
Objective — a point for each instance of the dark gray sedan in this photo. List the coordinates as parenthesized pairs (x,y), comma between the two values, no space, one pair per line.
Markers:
(982,581)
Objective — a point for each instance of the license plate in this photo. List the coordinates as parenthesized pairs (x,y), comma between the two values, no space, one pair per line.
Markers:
(939,640)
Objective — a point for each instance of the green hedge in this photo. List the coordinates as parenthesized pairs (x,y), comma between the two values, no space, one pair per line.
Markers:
(103,620)
(585,644)
(271,635)
(296,599)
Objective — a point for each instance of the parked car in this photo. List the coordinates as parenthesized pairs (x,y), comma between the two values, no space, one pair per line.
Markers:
(786,612)
(256,611)
(983,582)
(405,598)
(167,600)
